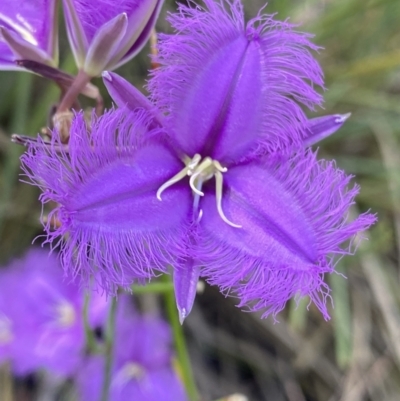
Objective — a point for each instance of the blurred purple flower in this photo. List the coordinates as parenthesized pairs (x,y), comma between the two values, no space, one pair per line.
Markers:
(221,186)
(106,34)
(28,30)
(141,365)
(42,326)
(15,340)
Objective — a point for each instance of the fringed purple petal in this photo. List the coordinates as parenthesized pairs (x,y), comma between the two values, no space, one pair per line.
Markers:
(106,189)
(34,22)
(232,89)
(294,218)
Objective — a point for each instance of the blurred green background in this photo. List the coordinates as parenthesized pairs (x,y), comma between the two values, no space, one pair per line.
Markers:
(356,355)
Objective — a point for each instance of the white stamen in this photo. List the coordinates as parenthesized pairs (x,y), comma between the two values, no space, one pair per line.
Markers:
(218,196)
(218,166)
(193,185)
(200,216)
(194,162)
(191,164)
(176,178)
(200,172)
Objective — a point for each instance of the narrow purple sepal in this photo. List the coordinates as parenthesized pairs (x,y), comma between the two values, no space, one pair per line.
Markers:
(104,44)
(35,25)
(23,49)
(105,185)
(125,95)
(76,35)
(185,284)
(321,127)
(233,90)
(294,223)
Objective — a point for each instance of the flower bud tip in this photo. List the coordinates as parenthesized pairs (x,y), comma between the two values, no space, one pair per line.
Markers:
(341,118)
(182,315)
(106,75)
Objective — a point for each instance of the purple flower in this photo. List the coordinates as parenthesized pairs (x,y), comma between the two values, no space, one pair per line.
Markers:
(28,30)
(14,338)
(106,34)
(221,186)
(42,327)
(264,230)
(141,365)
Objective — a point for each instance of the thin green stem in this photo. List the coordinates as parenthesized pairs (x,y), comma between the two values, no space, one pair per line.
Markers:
(19,119)
(91,344)
(108,349)
(180,343)
(153,288)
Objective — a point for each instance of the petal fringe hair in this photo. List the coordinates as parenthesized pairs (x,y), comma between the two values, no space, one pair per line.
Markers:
(288,69)
(322,192)
(113,256)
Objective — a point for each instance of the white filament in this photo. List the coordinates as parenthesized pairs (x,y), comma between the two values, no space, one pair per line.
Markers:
(200,171)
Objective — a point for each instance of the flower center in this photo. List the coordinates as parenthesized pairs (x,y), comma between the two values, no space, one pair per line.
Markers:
(65,314)
(5,330)
(129,371)
(201,170)
(133,370)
